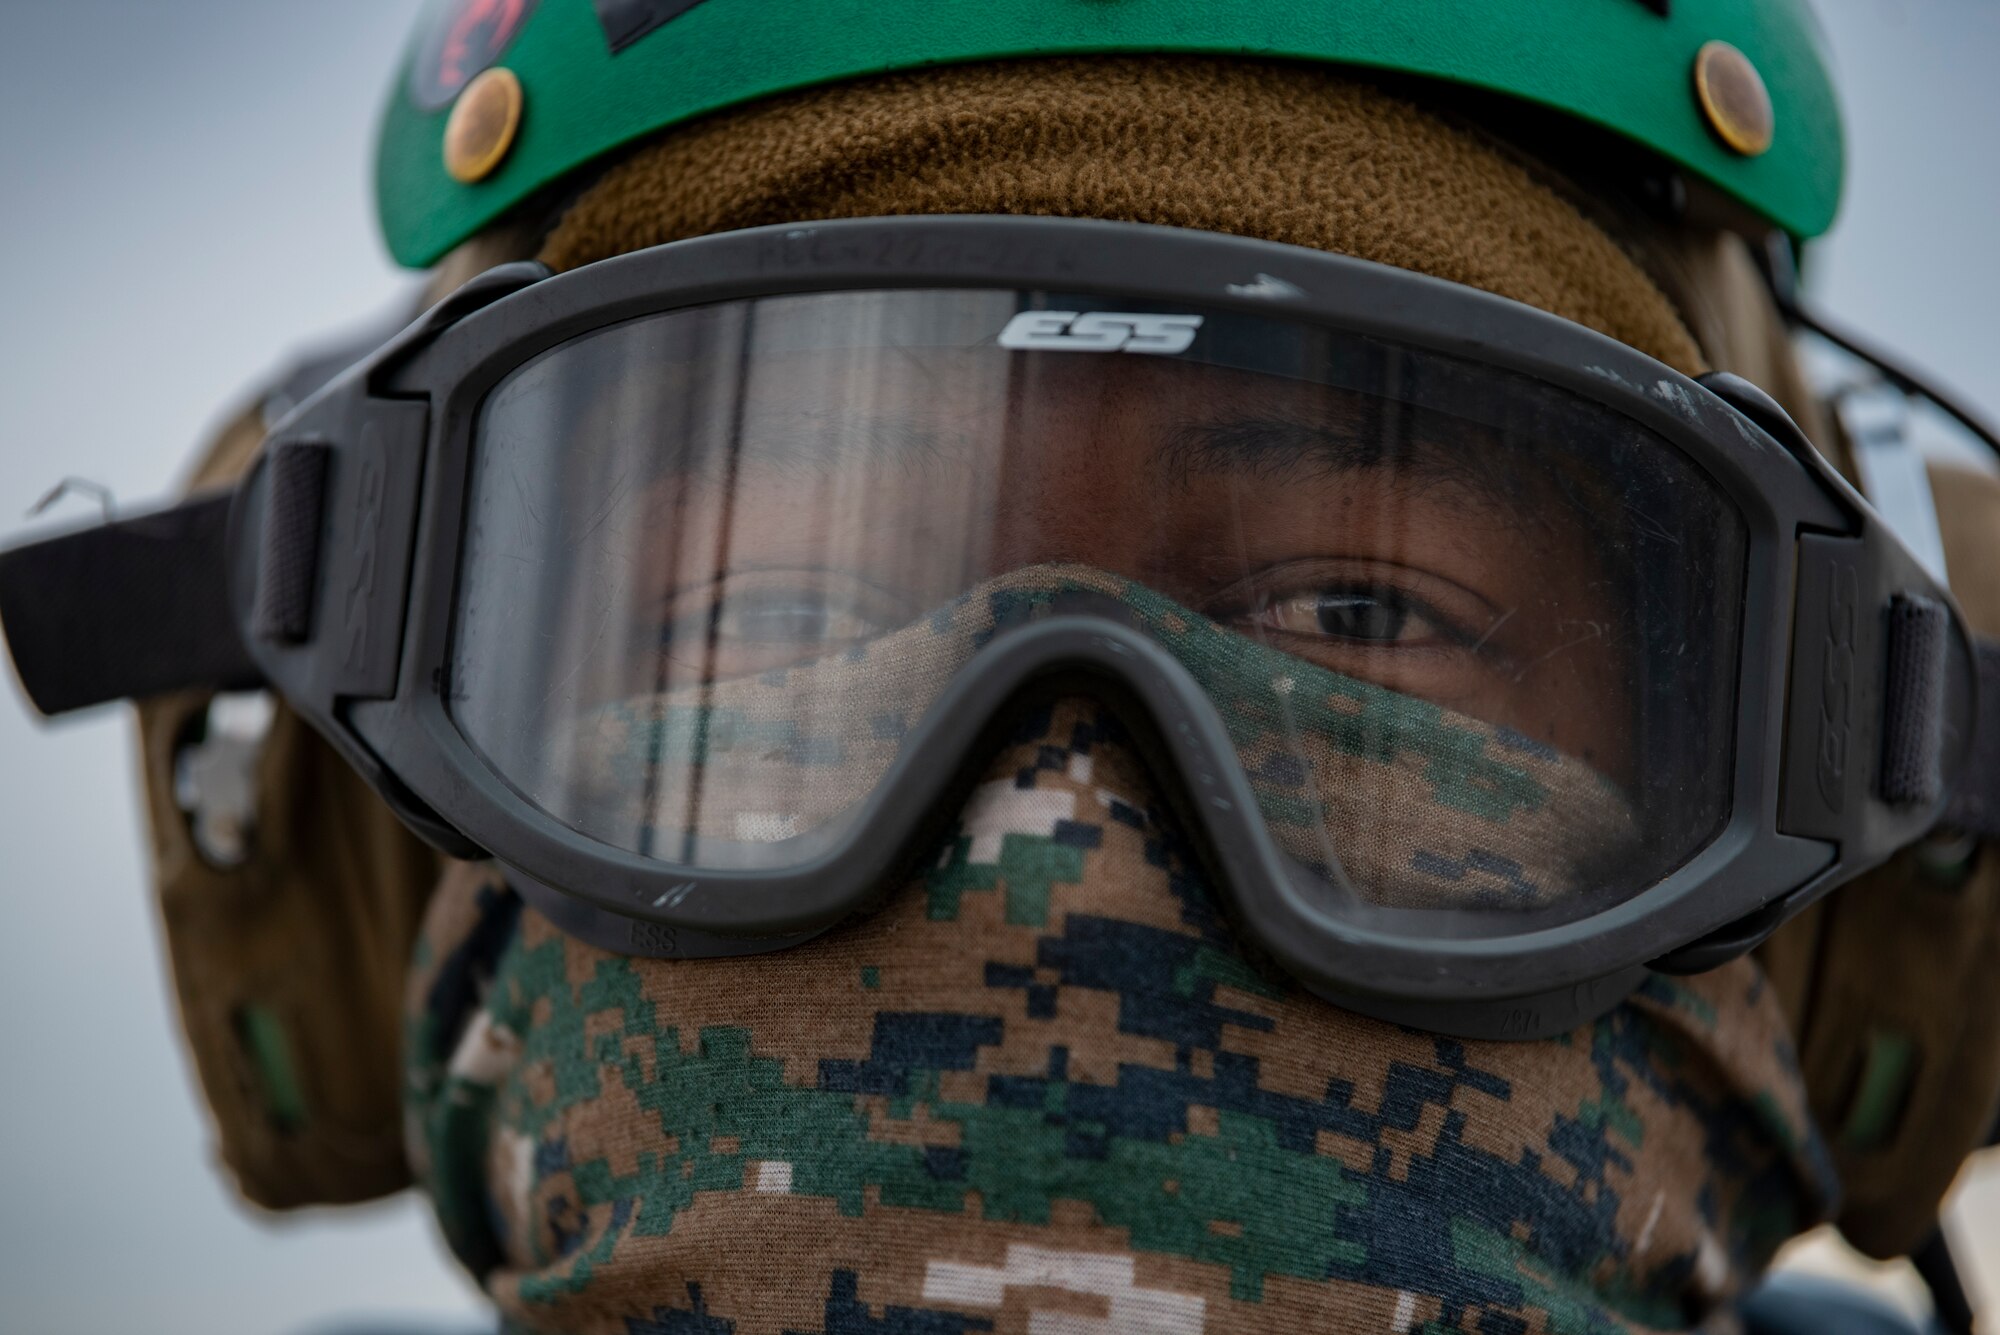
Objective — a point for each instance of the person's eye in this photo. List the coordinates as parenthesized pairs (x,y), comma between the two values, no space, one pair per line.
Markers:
(1369,615)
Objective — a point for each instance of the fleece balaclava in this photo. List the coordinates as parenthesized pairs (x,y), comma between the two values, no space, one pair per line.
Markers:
(1042,1088)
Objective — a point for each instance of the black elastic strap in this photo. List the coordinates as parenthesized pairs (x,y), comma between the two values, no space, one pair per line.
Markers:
(1975,807)
(288,548)
(1913,725)
(125,610)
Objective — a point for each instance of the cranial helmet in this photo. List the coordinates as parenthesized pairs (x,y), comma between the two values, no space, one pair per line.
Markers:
(500,99)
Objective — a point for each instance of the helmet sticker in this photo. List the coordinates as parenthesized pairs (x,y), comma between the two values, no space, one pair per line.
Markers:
(626,21)
(465,37)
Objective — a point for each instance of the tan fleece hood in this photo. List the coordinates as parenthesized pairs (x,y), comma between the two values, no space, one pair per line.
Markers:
(1280,152)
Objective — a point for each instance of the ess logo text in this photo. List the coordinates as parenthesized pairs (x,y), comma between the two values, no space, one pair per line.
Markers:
(1099,331)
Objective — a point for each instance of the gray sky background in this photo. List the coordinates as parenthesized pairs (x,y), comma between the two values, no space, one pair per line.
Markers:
(186,200)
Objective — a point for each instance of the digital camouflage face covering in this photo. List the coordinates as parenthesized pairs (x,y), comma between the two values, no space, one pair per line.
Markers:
(1045,1088)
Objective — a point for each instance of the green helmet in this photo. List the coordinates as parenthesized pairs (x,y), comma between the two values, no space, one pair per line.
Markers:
(496,99)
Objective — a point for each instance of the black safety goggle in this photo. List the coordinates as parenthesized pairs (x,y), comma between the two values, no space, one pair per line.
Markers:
(361,562)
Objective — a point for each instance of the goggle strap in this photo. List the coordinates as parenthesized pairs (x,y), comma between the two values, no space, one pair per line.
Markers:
(1975,807)
(288,546)
(125,610)
(1913,720)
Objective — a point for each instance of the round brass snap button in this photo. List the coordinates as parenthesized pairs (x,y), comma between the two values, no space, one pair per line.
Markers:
(1733,98)
(484,122)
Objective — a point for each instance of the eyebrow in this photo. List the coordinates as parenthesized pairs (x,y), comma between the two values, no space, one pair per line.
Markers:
(1276,448)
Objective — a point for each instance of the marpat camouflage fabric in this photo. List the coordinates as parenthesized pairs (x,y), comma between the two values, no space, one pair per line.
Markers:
(1043,1090)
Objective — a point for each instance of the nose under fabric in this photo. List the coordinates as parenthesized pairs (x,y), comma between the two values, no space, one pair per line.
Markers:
(1043,1084)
